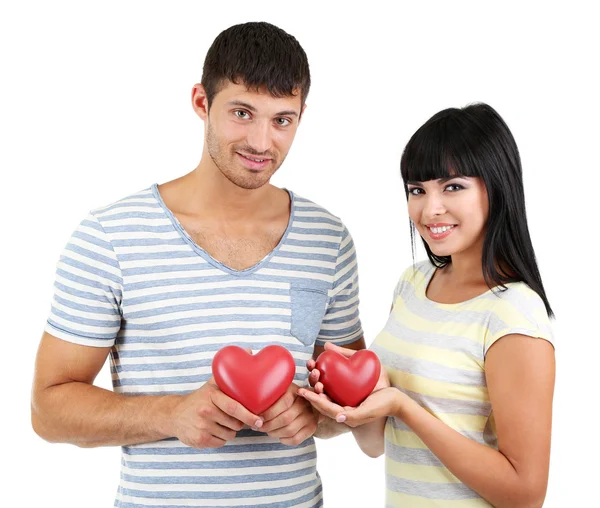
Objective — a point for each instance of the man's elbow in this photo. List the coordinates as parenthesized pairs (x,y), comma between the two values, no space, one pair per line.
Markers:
(41,420)
(40,427)
(44,430)
(373,451)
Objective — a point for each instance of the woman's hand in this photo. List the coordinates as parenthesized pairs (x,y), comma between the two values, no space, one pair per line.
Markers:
(317,397)
(381,403)
(321,403)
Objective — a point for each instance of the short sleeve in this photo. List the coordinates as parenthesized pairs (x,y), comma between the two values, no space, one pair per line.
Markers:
(520,310)
(88,289)
(341,323)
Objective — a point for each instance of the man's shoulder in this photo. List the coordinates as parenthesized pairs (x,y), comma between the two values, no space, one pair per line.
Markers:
(309,210)
(138,202)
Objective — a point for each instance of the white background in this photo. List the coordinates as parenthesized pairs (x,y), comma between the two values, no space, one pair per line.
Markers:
(95,105)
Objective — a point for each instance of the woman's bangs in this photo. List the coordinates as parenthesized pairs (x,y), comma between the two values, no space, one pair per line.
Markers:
(439,149)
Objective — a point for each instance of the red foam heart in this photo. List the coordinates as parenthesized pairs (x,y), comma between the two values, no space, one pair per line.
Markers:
(255,381)
(348,381)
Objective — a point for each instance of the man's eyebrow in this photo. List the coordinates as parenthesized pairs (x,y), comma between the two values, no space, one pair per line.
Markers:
(249,107)
(242,104)
(288,112)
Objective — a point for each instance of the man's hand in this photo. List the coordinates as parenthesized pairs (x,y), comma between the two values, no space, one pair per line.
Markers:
(207,418)
(291,419)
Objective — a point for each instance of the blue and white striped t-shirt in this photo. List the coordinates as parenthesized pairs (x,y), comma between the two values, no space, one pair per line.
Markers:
(131,278)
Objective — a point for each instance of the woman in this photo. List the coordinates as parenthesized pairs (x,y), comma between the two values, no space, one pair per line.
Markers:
(463,407)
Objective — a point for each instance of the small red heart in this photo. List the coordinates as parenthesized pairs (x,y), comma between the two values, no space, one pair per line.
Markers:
(255,381)
(348,381)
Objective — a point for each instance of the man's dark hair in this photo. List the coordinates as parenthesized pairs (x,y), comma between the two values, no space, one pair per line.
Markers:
(256,54)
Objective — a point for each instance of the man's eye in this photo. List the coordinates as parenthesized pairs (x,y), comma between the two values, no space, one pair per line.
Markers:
(282,122)
(241,114)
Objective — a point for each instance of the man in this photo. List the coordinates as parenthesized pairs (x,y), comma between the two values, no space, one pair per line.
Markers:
(163,279)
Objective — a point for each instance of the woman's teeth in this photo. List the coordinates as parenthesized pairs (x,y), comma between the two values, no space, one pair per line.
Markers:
(443,229)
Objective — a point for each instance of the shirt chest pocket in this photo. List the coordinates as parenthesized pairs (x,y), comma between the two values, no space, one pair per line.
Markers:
(309,304)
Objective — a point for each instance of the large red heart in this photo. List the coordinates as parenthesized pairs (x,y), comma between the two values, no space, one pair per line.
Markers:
(348,381)
(255,381)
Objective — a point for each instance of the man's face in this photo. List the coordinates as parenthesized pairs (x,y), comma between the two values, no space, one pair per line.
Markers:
(249,133)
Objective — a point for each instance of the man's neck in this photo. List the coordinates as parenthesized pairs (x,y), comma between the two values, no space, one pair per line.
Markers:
(206,191)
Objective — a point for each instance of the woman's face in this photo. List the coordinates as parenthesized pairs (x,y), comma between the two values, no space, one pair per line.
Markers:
(450,214)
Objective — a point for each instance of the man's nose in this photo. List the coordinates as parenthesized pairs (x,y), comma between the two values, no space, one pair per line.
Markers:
(259,137)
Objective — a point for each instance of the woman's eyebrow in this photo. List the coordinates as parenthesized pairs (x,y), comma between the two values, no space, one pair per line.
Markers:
(439,180)
(448,178)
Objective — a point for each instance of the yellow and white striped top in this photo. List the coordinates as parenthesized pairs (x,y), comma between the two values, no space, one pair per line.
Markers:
(435,353)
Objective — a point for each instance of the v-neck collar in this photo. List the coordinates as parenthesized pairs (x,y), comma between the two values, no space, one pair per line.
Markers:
(205,255)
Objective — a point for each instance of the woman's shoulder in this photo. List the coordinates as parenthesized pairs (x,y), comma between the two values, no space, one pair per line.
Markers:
(414,275)
(518,310)
(518,296)
(417,270)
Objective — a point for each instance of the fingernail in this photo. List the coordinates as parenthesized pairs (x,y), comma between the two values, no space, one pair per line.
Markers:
(340,418)
(254,428)
(258,424)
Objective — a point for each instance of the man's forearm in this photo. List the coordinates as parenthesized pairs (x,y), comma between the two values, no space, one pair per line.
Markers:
(89,416)
(370,437)
(329,428)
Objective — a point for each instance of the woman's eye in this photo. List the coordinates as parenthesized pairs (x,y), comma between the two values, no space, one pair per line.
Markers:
(453,187)
(415,191)
(241,114)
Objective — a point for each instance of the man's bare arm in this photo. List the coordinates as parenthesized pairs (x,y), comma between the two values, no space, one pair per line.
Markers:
(66,407)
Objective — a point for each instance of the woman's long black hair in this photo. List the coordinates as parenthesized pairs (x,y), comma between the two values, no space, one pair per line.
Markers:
(475,142)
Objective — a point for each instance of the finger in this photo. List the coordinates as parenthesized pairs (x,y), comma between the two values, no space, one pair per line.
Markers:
(321,403)
(291,429)
(342,350)
(219,431)
(215,442)
(310,364)
(319,388)
(302,435)
(207,440)
(281,406)
(236,410)
(211,435)
(354,417)
(313,377)
(326,397)
(286,418)
(225,420)
(210,413)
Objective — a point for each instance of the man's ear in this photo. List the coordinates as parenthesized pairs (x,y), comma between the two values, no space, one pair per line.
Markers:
(200,101)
